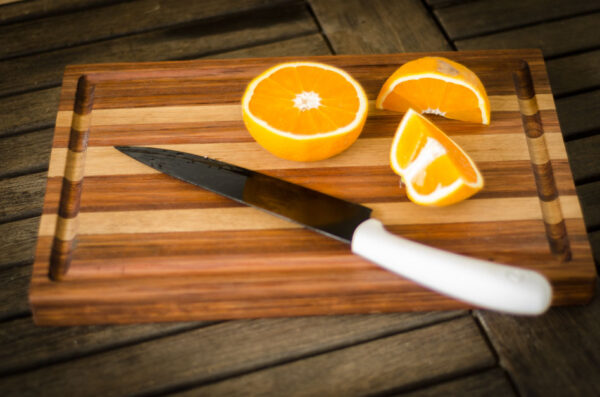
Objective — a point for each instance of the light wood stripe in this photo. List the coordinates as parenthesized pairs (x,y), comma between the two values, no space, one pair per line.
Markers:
(103,160)
(544,102)
(81,122)
(551,211)
(231,112)
(528,107)
(75,166)
(66,228)
(246,218)
(538,150)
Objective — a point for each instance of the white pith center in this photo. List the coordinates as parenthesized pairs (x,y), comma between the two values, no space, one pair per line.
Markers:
(433,111)
(307,100)
(415,171)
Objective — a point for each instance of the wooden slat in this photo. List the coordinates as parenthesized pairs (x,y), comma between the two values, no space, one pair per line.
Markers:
(595,242)
(17,241)
(22,197)
(23,10)
(111,21)
(25,153)
(446,3)
(246,218)
(92,258)
(378,26)
(138,93)
(574,73)
(584,154)
(231,348)
(190,41)
(313,44)
(108,112)
(38,109)
(30,111)
(102,160)
(14,282)
(388,364)
(562,346)
(157,191)
(47,345)
(589,196)
(487,384)
(481,17)
(553,38)
(579,113)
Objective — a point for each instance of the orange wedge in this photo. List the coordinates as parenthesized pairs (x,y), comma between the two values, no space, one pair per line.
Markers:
(304,111)
(439,86)
(435,170)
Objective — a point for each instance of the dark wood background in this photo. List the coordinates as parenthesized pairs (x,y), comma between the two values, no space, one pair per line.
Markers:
(416,354)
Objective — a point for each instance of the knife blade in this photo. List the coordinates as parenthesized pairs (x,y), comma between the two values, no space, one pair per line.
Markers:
(480,283)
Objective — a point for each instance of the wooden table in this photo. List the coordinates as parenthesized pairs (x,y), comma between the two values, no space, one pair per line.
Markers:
(417,354)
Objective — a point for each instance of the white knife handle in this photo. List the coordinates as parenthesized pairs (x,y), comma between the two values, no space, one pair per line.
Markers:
(481,283)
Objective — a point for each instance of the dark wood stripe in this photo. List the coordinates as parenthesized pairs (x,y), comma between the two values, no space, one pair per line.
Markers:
(170,91)
(78,140)
(376,126)
(523,81)
(292,251)
(545,182)
(84,96)
(60,258)
(532,125)
(70,198)
(558,239)
(157,191)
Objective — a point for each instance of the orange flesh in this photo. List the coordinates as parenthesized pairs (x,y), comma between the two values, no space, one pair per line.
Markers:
(273,100)
(426,93)
(442,171)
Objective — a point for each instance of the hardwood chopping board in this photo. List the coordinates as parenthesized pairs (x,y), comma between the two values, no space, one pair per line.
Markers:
(124,243)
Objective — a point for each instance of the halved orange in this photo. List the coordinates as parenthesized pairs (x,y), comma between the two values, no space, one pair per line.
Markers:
(435,170)
(304,111)
(439,86)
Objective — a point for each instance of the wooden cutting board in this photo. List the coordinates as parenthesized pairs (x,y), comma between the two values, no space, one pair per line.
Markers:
(124,243)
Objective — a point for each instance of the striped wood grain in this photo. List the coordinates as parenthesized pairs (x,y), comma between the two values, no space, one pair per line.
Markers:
(175,252)
(66,223)
(540,161)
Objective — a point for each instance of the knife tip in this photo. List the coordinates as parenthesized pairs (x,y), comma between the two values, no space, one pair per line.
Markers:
(123,148)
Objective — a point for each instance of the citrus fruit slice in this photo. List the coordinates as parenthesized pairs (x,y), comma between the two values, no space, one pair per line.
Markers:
(304,111)
(439,86)
(435,170)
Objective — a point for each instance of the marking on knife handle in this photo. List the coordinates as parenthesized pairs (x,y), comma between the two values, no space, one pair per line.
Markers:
(556,231)
(65,236)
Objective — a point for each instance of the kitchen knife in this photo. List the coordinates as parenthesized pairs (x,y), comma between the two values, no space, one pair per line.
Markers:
(481,283)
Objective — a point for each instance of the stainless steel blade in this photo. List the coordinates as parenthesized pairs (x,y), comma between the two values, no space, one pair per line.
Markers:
(314,210)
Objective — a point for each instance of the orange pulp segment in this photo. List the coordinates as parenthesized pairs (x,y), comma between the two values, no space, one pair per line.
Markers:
(304,111)
(435,170)
(439,86)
